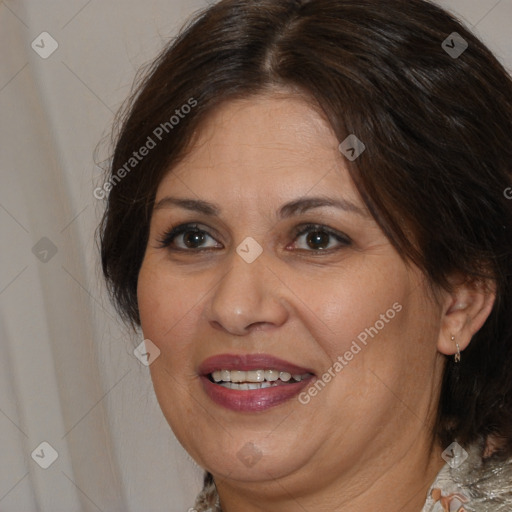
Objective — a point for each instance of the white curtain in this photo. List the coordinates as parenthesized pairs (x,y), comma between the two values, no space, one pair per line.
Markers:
(73,398)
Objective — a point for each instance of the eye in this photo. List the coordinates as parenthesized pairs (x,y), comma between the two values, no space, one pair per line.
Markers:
(319,237)
(191,237)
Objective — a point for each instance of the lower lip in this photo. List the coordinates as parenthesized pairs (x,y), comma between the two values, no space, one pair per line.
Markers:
(252,400)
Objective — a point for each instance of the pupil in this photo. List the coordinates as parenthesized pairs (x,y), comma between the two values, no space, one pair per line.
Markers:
(315,238)
(189,238)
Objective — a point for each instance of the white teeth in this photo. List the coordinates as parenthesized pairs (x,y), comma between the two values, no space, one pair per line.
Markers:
(246,386)
(255,376)
(238,376)
(271,375)
(253,379)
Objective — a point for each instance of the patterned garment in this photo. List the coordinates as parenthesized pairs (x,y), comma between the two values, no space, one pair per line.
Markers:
(472,486)
(445,495)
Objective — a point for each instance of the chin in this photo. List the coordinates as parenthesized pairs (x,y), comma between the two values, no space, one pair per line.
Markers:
(242,454)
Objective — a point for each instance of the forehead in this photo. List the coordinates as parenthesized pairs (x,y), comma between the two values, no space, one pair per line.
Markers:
(268,144)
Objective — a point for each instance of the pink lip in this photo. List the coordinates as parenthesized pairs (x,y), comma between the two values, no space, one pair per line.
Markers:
(246,362)
(252,400)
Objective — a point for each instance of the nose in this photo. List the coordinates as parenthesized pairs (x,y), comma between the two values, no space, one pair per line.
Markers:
(248,297)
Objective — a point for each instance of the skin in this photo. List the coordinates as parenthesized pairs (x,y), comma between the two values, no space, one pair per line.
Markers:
(364,442)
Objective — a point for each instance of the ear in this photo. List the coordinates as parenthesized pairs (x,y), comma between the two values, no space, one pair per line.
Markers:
(464,311)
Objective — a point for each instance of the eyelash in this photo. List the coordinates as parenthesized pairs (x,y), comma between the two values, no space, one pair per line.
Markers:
(169,236)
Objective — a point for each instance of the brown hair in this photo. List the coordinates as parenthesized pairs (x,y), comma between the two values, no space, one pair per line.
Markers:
(438,155)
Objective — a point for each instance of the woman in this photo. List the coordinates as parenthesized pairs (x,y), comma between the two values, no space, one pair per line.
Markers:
(307,219)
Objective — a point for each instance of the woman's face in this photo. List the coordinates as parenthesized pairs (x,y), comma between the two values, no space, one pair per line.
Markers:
(248,281)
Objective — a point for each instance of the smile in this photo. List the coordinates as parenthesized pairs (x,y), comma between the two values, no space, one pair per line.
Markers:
(251,382)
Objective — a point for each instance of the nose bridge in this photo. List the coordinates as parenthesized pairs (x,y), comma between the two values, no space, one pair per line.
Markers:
(247,294)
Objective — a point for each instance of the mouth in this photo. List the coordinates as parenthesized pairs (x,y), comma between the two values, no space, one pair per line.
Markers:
(252,382)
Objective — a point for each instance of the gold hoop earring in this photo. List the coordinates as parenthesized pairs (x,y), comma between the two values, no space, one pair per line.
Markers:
(457,355)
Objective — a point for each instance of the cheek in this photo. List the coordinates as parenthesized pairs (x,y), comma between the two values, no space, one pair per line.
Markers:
(167,305)
(166,302)
(150,298)
(356,304)
(383,339)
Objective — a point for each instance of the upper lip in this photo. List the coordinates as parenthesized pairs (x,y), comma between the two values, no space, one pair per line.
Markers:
(246,362)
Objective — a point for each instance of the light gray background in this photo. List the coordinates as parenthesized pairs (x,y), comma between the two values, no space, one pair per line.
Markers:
(67,371)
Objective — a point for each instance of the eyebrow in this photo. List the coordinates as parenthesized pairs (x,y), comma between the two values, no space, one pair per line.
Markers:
(290,209)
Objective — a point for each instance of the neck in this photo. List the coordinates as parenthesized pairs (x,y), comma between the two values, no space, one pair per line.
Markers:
(387,485)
